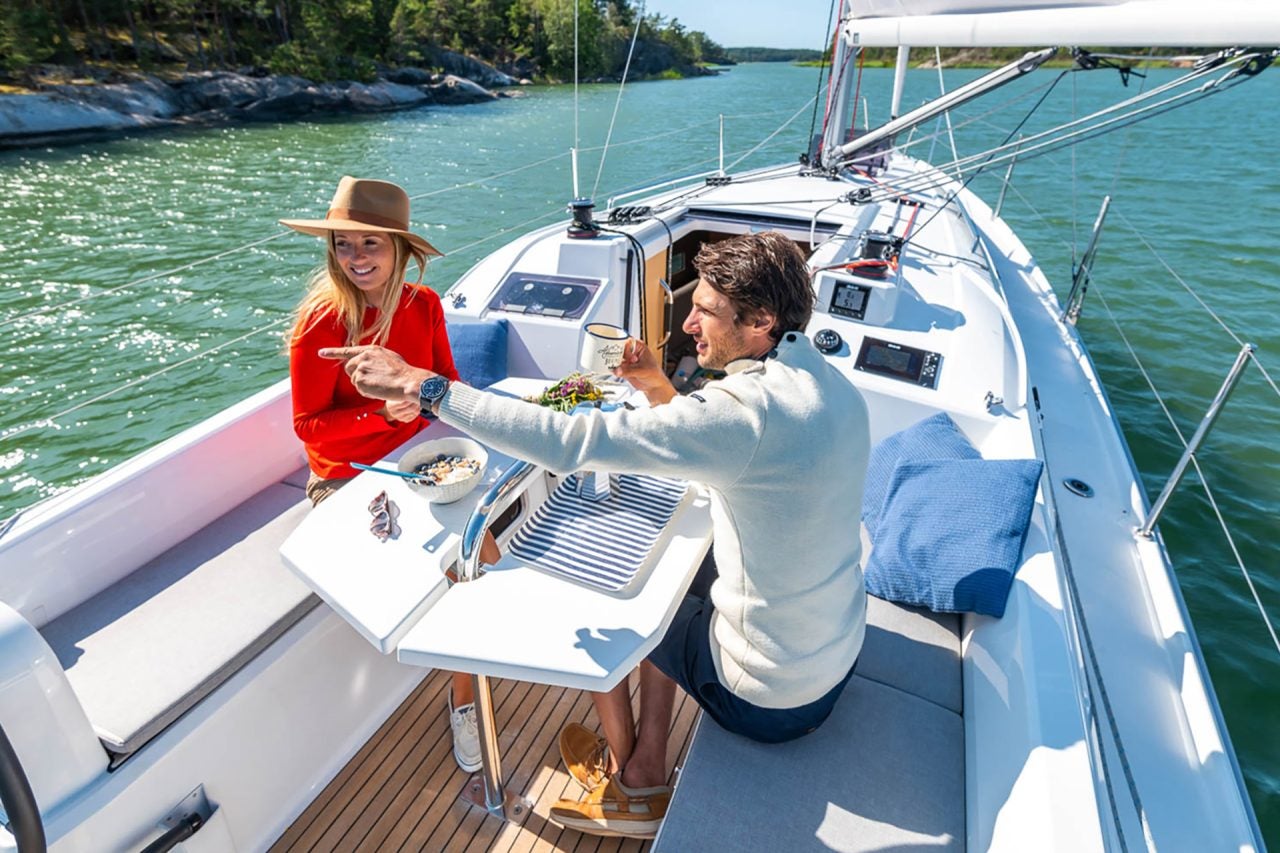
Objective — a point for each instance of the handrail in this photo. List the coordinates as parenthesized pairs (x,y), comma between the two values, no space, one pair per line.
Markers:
(500,495)
(495,501)
(19,802)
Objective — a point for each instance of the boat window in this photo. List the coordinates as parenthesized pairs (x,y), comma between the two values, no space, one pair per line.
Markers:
(545,295)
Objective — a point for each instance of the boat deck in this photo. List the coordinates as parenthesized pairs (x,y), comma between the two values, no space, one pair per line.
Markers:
(400,791)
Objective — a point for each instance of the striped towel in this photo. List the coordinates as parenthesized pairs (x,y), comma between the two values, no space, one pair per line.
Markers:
(602,544)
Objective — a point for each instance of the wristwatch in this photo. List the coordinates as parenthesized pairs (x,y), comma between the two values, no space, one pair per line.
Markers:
(430,392)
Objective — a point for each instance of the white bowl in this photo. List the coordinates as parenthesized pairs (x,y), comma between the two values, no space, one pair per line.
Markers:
(428,451)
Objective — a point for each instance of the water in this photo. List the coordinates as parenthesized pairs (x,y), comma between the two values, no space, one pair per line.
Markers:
(78,225)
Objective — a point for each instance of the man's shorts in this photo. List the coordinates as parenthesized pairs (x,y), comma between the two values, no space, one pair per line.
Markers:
(685,656)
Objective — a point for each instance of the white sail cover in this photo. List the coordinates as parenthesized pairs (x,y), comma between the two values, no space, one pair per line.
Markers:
(1098,23)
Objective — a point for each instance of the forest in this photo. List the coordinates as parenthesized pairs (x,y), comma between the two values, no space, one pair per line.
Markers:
(346,39)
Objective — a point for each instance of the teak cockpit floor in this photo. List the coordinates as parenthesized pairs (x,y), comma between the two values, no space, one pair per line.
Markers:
(400,791)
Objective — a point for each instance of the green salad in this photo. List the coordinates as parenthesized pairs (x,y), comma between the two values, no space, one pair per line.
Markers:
(568,392)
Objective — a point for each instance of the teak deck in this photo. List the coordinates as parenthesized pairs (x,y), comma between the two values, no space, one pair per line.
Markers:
(400,791)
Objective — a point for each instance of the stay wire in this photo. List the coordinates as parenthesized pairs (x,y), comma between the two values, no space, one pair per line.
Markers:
(1190,290)
(822,67)
(765,141)
(1045,142)
(984,165)
(62,306)
(42,423)
(1127,137)
(618,102)
(1021,150)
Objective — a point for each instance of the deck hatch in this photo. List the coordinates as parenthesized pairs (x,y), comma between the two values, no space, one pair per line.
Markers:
(563,296)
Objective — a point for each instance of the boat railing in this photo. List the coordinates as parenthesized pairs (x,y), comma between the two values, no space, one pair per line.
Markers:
(1246,354)
(501,494)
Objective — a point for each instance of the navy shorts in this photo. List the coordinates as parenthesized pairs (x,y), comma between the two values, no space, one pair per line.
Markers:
(684,656)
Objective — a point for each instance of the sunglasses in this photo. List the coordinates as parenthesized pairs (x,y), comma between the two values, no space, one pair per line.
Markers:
(383,525)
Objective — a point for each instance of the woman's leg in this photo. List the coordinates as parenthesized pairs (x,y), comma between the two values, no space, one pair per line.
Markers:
(461,704)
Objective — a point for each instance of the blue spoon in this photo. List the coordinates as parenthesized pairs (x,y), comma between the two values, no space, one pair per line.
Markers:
(402,474)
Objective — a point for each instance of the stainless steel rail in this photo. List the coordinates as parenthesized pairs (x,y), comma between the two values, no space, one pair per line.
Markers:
(1206,423)
(492,796)
(1080,276)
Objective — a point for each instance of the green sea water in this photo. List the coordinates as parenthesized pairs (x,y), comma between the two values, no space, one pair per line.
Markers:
(99,364)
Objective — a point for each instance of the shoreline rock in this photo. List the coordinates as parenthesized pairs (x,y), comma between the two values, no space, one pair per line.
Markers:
(67,113)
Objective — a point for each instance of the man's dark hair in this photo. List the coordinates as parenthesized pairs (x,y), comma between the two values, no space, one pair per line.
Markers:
(760,271)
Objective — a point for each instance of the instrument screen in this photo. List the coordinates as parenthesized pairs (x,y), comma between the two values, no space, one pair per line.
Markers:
(849,300)
(898,361)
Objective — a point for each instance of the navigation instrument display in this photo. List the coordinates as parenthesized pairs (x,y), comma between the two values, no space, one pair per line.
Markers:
(850,300)
(896,361)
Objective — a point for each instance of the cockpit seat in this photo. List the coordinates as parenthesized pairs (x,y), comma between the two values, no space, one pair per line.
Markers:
(147,649)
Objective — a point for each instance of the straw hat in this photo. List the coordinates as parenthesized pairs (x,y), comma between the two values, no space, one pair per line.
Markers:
(361,204)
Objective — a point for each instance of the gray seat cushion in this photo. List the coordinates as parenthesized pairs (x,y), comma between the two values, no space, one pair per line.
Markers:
(884,772)
(148,648)
(299,478)
(914,650)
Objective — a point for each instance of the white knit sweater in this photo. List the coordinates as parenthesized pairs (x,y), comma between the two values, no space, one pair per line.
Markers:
(782,446)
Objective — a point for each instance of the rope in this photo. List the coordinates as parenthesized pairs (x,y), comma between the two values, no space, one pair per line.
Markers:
(1124,140)
(937,178)
(1180,280)
(45,422)
(617,103)
(559,210)
(1204,482)
(764,141)
(1024,150)
(943,206)
(62,306)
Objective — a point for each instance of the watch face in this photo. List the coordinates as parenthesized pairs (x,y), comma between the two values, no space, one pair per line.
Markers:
(433,389)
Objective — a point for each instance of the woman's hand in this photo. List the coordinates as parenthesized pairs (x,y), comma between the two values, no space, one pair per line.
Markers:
(402,411)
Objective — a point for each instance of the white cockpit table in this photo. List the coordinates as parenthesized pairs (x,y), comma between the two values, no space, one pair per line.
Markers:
(513,621)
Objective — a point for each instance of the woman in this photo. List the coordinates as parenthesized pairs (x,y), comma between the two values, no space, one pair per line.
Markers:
(360,296)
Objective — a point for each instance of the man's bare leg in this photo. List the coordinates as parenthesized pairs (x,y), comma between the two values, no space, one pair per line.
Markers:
(644,765)
(614,710)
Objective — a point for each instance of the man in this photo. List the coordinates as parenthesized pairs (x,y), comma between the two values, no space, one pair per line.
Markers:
(781,443)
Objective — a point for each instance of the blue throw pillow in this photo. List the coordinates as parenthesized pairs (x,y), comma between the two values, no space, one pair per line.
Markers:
(479,351)
(937,437)
(951,533)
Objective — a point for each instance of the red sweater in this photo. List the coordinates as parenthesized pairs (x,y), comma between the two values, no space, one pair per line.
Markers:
(337,423)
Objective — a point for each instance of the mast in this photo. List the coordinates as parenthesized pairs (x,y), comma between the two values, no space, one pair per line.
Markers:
(839,87)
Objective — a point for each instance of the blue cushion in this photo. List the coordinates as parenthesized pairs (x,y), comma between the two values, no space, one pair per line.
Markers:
(951,533)
(937,437)
(479,351)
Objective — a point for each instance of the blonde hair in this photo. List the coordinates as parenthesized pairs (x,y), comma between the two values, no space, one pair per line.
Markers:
(329,290)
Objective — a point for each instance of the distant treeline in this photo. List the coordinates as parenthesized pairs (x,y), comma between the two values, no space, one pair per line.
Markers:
(952,57)
(342,39)
(771,54)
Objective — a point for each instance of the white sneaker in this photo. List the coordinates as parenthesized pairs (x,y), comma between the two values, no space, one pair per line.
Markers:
(466,737)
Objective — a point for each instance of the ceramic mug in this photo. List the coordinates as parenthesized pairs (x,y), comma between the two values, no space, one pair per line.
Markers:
(602,347)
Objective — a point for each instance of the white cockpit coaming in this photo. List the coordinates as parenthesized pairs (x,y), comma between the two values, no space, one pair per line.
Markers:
(1164,766)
